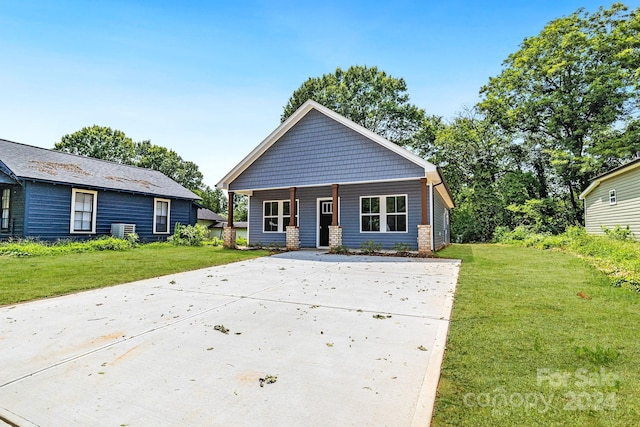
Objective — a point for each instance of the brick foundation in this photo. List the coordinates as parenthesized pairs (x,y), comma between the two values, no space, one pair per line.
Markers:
(293,238)
(424,240)
(229,237)
(335,236)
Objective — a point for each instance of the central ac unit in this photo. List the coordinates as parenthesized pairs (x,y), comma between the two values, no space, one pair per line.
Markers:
(122,230)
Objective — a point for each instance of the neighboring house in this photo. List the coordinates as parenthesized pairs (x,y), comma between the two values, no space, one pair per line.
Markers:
(216,223)
(348,184)
(52,195)
(613,199)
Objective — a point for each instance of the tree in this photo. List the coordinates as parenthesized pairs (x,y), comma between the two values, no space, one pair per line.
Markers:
(99,142)
(113,145)
(570,91)
(213,199)
(367,96)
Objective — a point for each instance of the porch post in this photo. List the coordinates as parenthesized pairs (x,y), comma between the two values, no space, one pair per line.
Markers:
(229,231)
(335,230)
(424,228)
(292,230)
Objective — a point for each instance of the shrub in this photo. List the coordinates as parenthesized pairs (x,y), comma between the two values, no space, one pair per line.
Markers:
(370,247)
(340,250)
(401,248)
(241,241)
(618,233)
(188,235)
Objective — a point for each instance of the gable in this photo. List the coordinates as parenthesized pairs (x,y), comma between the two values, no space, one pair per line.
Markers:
(319,150)
(5,179)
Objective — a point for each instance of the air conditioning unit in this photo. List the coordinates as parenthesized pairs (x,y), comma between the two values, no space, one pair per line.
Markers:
(122,230)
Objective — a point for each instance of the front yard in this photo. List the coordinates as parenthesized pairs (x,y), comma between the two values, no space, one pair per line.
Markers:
(31,277)
(538,338)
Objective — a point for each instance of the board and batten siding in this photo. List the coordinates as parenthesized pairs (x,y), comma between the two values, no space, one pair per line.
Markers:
(48,212)
(318,150)
(349,196)
(626,211)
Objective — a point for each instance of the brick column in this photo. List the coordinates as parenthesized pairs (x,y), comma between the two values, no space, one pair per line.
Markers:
(424,240)
(293,238)
(229,237)
(335,235)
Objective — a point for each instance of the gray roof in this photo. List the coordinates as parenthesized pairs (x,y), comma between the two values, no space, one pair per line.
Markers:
(29,162)
(209,215)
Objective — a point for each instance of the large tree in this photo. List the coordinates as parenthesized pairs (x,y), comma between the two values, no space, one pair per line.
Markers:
(571,94)
(366,95)
(99,142)
(113,145)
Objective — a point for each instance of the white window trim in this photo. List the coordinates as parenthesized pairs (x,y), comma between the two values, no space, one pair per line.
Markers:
(94,208)
(282,227)
(613,197)
(383,213)
(155,211)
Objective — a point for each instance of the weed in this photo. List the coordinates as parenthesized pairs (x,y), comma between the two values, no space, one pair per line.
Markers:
(339,250)
(598,356)
(370,247)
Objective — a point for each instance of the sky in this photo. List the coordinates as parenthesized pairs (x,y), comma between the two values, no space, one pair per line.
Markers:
(210,79)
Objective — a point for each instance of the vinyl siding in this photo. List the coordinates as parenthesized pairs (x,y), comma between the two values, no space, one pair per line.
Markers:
(625,212)
(319,150)
(349,213)
(49,212)
(440,234)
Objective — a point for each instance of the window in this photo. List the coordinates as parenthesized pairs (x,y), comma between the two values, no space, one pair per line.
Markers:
(277,214)
(612,197)
(383,214)
(83,211)
(161,215)
(4,218)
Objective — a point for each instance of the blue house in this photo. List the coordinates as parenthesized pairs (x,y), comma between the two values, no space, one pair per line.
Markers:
(52,195)
(320,180)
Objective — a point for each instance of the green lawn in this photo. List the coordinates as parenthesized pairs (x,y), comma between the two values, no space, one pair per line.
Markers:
(524,349)
(26,278)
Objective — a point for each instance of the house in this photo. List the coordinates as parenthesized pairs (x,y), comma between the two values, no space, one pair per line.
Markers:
(613,199)
(52,195)
(216,224)
(320,180)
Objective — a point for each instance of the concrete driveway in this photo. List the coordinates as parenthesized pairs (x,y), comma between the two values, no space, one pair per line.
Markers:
(349,341)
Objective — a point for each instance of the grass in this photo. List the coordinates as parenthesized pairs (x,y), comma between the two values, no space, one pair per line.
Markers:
(27,278)
(525,349)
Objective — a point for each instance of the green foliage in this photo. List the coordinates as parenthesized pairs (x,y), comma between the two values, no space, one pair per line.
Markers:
(240,207)
(367,96)
(99,142)
(615,255)
(275,246)
(618,233)
(539,215)
(113,145)
(213,199)
(27,247)
(570,95)
(339,250)
(599,356)
(370,247)
(188,235)
(241,241)
(401,248)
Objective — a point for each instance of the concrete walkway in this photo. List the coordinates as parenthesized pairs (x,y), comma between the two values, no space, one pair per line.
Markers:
(352,341)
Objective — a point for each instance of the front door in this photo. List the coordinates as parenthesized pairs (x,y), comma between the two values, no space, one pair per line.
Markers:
(325,215)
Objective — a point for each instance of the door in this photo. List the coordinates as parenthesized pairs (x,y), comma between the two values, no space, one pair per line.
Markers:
(325,215)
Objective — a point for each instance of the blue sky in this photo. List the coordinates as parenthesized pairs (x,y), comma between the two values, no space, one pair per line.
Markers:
(209,79)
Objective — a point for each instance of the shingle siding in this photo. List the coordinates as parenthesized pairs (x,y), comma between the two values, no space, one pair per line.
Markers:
(625,212)
(349,213)
(320,150)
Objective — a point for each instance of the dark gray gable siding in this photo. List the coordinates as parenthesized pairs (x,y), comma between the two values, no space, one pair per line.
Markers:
(49,212)
(349,214)
(319,150)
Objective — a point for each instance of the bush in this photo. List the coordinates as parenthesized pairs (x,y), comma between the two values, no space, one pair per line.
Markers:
(241,241)
(618,233)
(188,235)
(370,247)
(401,248)
(30,247)
(340,250)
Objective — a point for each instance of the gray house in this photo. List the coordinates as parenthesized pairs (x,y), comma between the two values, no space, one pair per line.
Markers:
(320,180)
(216,224)
(52,195)
(613,199)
